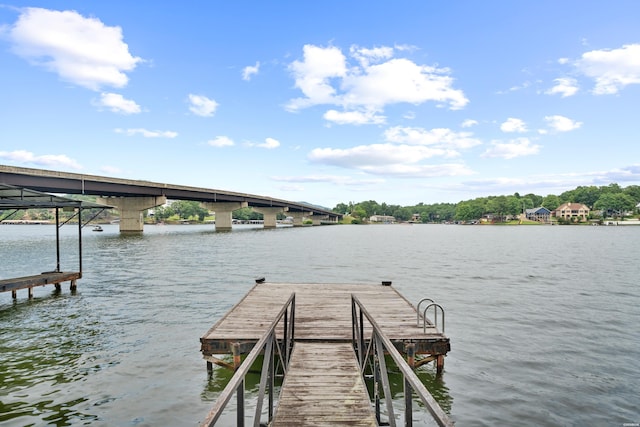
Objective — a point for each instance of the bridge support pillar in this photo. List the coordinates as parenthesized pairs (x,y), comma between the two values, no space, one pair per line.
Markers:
(298,218)
(270,215)
(317,219)
(224,212)
(131,209)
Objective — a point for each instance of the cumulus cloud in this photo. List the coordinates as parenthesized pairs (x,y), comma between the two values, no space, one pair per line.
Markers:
(111,170)
(47,160)
(561,123)
(407,152)
(202,106)
(328,179)
(468,123)
(564,86)
(269,144)
(354,117)
(442,137)
(368,80)
(147,133)
(82,51)
(611,69)
(250,70)
(513,125)
(117,103)
(515,148)
(221,141)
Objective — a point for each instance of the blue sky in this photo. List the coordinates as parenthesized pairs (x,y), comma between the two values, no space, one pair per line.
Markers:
(327,102)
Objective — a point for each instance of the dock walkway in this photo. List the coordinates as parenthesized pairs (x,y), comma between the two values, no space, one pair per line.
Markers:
(323,387)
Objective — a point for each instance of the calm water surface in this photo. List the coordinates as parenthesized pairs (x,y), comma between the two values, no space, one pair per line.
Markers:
(544,321)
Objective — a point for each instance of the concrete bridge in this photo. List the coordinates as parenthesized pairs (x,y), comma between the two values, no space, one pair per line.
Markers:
(133,197)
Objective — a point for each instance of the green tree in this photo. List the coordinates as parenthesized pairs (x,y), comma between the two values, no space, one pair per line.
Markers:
(615,204)
(551,202)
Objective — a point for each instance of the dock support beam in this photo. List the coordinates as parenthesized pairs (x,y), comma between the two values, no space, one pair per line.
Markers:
(131,209)
(224,212)
(439,363)
(270,215)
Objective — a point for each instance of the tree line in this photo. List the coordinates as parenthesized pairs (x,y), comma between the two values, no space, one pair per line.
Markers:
(611,200)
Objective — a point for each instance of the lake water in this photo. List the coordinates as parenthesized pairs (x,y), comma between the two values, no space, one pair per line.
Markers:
(544,321)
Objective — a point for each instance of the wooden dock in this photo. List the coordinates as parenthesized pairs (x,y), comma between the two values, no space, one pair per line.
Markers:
(323,385)
(47,278)
(323,313)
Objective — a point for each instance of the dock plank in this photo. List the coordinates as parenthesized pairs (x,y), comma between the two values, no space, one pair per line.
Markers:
(323,312)
(323,387)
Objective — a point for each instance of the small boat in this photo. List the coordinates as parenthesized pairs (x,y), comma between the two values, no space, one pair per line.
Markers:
(97,228)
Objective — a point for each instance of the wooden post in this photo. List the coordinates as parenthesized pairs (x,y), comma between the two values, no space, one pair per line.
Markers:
(73,285)
(411,355)
(235,349)
(14,294)
(58,287)
(30,292)
(440,363)
(209,368)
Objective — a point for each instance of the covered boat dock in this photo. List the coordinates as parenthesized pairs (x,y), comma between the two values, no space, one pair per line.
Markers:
(14,199)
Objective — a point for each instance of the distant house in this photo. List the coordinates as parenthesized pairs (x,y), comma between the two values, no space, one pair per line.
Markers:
(541,214)
(572,210)
(382,218)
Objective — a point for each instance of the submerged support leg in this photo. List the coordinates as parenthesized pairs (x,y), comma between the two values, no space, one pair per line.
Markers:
(73,285)
(209,368)
(58,287)
(14,294)
(440,363)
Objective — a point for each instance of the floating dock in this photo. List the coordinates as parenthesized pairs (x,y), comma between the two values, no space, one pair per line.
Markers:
(324,384)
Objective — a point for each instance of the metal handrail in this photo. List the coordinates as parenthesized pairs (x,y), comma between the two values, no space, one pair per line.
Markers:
(378,345)
(435,316)
(418,309)
(269,343)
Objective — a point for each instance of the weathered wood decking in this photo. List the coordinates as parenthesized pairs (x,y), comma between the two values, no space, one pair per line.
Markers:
(323,387)
(47,278)
(323,313)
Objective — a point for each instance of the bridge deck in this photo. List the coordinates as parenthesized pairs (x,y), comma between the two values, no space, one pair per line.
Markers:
(29,282)
(323,313)
(323,387)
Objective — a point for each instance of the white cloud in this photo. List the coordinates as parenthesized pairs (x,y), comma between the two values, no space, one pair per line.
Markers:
(354,117)
(48,160)
(561,123)
(388,159)
(269,143)
(82,51)
(374,80)
(250,70)
(513,125)
(446,138)
(366,56)
(565,86)
(118,104)
(221,141)
(612,69)
(468,123)
(202,106)
(515,148)
(147,133)
(328,179)
(364,156)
